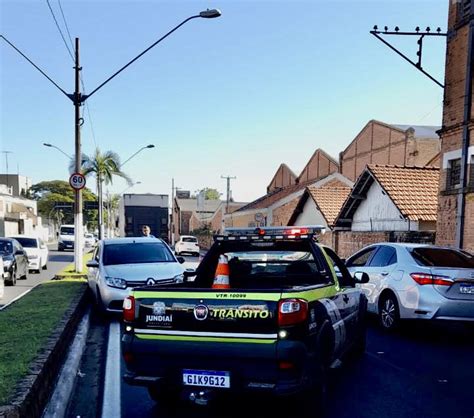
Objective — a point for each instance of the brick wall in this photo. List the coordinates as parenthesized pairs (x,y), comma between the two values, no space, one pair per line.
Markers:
(282,214)
(346,243)
(451,135)
(422,151)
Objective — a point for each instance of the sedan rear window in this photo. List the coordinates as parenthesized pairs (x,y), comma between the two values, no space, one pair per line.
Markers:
(442,257)
(27,242)
(190,239)
(136,253)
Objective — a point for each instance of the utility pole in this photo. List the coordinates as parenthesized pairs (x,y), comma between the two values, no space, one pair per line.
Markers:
(77,100)
(173,193)
(228,178)
(6,166)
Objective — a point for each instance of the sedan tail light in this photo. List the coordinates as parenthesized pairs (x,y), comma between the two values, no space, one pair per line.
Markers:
(292,311)
(129,309)
(424,278)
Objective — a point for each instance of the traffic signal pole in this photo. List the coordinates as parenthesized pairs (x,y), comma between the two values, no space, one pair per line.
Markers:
(78,220)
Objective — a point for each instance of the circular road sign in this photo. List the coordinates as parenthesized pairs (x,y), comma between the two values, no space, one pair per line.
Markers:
(259,217)
(77,181)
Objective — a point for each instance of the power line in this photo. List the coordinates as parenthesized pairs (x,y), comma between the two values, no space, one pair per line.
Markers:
(60,31)
(65,24)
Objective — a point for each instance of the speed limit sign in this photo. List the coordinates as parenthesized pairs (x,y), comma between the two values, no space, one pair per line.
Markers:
(77,181)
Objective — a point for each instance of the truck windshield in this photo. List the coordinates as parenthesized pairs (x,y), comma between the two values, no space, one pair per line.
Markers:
(136,253)
(67,231)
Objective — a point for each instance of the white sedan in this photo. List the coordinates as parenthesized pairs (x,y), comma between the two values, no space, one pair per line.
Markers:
(36,250)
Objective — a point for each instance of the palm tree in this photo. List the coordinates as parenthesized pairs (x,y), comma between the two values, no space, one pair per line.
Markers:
(104,166)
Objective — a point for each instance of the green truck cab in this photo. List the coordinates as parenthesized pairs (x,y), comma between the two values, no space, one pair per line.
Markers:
(290,311)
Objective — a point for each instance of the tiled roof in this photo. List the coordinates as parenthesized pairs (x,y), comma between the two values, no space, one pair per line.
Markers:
(272,197)
(414,190)
(190,205)
(329,200)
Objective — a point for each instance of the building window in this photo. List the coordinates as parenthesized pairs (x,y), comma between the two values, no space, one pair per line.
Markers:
(454,174)
(464,8)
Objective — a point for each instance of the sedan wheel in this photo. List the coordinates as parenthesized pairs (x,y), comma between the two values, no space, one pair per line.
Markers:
(389,314)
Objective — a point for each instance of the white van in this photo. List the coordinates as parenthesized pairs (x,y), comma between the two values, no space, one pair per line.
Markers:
(66,237)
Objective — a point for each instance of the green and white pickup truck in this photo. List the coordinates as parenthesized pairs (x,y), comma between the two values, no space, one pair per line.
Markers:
(292,310)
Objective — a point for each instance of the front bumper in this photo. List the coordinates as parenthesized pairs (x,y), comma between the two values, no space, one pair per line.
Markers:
(253,367)
(112,298)
(66,245)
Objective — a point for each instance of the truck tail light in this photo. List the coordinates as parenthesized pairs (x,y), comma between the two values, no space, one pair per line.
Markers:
(129,309)
(292,311)
(423,278)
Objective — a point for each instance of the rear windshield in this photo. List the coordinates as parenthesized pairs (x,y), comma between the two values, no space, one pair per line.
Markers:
(136,253)
(190,239)
(442,257)
(270,265)
(67,231)
(27,242)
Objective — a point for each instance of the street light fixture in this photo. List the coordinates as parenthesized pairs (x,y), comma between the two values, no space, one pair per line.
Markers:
(78,99)
(129,187)
(133,155)
(59,149)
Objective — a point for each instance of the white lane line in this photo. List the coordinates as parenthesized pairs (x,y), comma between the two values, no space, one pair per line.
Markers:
(18,297)
(111,406)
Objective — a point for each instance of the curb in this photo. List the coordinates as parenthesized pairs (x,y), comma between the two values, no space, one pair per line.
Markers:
(63,390)
(33,391)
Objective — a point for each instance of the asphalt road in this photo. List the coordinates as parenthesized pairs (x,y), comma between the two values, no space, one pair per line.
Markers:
(422,370)
(56,262)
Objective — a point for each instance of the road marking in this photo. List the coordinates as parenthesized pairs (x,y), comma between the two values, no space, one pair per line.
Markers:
(18,297)
(111,406)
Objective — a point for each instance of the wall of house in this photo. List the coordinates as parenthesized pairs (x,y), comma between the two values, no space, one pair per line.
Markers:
(378,213)
(375,144)
(421,151)
(311,215)
(243,219)
(318,166)
(282,214)
(451,135)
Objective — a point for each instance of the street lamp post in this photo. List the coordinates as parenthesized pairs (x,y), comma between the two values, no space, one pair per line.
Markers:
(59,149)
(78,99)
(140,150)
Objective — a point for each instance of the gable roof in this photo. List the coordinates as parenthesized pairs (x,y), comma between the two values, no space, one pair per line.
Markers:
(328,199)
(315,159)
(413,190)
(283,177)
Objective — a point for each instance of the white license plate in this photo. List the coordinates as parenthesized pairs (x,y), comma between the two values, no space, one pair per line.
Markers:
(466,289)
(206,378)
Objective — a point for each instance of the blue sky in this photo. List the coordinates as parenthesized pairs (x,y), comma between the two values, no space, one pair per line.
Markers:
(266,83)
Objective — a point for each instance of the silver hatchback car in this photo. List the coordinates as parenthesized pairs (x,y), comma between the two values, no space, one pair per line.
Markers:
(123,263)
(411,281)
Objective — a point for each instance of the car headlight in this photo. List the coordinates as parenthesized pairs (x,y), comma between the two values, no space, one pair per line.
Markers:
(116,282)
(179,278)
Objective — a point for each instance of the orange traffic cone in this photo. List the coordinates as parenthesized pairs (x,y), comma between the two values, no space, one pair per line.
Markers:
(221,278)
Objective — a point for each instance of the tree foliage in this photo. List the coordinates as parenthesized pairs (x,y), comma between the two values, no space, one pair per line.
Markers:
(209,193)
(48,193)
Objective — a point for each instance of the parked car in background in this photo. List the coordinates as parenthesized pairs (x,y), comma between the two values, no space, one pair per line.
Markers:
(413,281)
(187,244)
(36,250)
(15,261)
(2,278)
(89,240)
(123,263)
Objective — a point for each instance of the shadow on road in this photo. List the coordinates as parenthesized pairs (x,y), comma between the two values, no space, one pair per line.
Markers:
(62,258)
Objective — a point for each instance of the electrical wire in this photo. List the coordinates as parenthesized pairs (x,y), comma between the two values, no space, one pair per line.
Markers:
(60,31)
(65,24)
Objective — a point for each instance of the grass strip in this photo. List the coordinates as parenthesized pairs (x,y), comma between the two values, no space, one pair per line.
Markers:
(26,325)
(68,271)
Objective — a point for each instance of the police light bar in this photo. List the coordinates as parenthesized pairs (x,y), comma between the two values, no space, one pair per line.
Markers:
(270,232)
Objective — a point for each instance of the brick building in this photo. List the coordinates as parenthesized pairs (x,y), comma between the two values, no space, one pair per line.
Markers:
(283,192)
(382,143)
(184,210)
(456,194)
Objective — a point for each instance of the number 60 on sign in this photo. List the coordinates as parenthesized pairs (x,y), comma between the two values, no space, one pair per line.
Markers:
(77,181)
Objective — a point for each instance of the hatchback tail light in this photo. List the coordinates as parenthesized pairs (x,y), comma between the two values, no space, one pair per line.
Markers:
(129,309)
(424,278)
(292,311)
